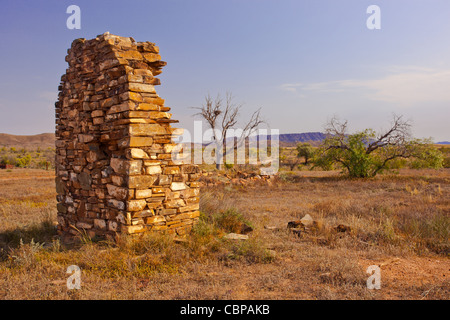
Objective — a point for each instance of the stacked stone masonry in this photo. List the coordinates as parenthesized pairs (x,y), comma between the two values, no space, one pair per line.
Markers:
(114,167)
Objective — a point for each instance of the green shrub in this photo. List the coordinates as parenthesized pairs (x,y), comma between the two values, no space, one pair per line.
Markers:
(251,251)
(367,153)
(229,220)
(446,162)
(24,161)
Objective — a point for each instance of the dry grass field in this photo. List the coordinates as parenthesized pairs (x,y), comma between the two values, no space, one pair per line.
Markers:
(399,222)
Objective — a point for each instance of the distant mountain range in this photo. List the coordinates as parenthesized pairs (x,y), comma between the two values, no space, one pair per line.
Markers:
(45,140)
(291,139)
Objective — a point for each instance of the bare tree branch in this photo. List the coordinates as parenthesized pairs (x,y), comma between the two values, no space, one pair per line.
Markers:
(396,135)
(224,116)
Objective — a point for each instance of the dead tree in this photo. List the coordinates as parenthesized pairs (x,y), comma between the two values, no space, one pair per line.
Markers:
(222,116)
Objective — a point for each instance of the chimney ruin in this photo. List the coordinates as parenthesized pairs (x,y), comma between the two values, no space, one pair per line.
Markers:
(114,142)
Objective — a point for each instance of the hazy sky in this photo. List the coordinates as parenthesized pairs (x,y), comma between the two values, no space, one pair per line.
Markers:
(301,62)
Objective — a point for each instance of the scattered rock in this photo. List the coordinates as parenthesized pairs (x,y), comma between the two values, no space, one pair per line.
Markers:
(305,225)
(343,228)
(297,231)
(243,182)
(245,229)
(307,220)
(180,240)
(237,178)
(295,224)
(235,236)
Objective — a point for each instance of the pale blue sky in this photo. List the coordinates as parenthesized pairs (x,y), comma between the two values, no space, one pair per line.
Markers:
(300,61)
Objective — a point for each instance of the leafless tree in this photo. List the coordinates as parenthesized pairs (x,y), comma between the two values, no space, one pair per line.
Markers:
(222,116)
(397,135)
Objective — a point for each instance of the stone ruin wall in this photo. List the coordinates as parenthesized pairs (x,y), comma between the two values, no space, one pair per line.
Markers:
(114,169)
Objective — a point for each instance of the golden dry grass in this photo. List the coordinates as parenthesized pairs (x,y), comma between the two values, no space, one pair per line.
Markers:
(400,222)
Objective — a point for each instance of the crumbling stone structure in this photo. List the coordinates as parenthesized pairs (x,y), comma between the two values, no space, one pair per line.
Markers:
(114,168)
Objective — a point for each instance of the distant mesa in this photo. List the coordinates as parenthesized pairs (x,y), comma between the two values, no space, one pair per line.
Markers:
(443,142)
(294,138)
